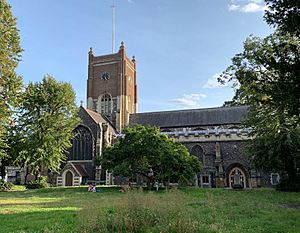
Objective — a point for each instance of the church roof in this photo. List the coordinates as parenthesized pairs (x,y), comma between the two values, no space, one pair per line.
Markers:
(98,118)
(95,116)
(81,170)
(191,117)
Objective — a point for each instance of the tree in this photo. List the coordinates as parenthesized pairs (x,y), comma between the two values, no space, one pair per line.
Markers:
(145,151)
(284,14)
(45,125)
(10,82)
(267,74)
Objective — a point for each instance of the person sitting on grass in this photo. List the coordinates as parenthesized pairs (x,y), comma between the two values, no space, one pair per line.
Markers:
(92,188)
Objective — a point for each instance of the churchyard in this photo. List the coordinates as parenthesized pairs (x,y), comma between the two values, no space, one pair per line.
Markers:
(177,210)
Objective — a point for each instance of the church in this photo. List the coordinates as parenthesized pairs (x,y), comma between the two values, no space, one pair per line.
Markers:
(214,135)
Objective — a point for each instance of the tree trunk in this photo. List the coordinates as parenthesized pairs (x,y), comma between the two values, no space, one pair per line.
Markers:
(26,174)
(2,171)
(36,174)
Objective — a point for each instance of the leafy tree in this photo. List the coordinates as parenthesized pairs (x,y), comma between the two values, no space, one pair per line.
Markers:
(10,82)
(145,151)
(45,125)
(284,14)
(267,73)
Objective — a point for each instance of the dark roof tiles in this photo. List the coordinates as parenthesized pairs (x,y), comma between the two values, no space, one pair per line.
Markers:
(81,170)
(191,117)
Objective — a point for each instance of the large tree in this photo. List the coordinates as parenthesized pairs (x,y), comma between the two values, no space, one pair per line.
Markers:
(45,125)
(145,151)
(10,82)
(284,14)
(267,74)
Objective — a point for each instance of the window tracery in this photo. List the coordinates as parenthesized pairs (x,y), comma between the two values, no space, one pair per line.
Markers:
(106,104)
(82,144)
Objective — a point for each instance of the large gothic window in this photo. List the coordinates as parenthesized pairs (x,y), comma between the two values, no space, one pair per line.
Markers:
(82,144)
(198,151)
(106,104)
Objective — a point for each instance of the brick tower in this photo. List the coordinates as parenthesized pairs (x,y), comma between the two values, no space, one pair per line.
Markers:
(112,87)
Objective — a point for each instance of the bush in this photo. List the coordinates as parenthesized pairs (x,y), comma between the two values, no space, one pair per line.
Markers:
(289,185)
(5,186)
(41,182)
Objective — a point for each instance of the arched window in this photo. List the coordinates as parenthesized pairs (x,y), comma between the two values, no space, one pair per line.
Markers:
(198,151)
(106,104)
(82,144)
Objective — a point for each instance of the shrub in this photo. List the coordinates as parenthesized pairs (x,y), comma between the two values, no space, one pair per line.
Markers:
(289,185)
(41,182)
(5,186)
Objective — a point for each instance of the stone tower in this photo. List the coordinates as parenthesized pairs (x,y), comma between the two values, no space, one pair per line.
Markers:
(112,87)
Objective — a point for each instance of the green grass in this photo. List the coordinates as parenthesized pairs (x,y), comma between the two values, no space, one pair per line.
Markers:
(187,210)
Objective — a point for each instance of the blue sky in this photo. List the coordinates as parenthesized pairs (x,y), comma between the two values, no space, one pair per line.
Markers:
(180,45)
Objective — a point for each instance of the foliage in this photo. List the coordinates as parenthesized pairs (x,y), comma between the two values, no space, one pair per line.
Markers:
(5,186)
(289,185)
(45,126)
(10,82)
(97,161)
(41,182)
(284,15)
(145,151)
(267,74)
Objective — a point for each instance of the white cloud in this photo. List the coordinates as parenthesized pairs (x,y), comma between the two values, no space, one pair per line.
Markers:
(233,7)
(213,82)
(257,1)
(246,1)
(253,7)
(130,1)
(189,100)
(247,6)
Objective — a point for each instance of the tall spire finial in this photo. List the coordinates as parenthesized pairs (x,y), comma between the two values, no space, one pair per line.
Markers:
(113,26)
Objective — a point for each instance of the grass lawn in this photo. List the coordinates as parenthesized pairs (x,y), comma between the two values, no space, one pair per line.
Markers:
(186,210)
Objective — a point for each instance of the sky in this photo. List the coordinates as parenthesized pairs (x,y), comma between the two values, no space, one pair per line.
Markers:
(181,46)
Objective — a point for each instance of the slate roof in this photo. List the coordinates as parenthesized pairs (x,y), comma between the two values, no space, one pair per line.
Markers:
(98,118)
(81,170)
(191,117)
(95,116)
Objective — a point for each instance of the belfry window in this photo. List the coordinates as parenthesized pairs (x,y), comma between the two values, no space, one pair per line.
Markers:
(106,104)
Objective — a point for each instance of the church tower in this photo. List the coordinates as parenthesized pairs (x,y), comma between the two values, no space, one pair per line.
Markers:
(112,87)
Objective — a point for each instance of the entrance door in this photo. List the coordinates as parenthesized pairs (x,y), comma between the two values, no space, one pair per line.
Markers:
(237,178)
(69,178)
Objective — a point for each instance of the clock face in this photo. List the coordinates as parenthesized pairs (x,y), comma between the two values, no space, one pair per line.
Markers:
(105,76)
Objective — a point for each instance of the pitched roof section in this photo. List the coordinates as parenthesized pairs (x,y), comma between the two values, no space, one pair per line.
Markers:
(98,118)
(95,116)
(81,170)
(191,117)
